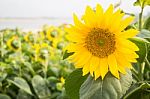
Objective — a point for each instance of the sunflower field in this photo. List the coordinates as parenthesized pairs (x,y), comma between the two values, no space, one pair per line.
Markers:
(105,54)
(32,66)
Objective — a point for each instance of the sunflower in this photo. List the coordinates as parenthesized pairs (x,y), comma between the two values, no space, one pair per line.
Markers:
(13,43)
(42,51)
(100,42)
(29,38)
(53,32)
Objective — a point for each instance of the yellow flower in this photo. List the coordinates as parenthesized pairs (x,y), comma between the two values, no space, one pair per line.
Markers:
(14,43)
(42,35)
(29,38)
(52,32)
(42,51)
(62,80)
(58,43)
(100,42)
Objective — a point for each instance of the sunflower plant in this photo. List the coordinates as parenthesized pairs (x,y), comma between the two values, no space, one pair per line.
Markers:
(31,65)
(110,55)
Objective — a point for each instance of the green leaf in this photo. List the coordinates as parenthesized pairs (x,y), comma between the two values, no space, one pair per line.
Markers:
(73,83)
(22,84)
(142,45)
(142,2)
(3,96)
(144,34)
(147,24)
(66,54)
(137,3)
(23,95)
(40,87)
(138,91)
(108,88)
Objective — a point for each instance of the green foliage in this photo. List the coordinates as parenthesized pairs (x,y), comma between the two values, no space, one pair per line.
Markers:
(138,91)
(73,83)
(3,96)
(22,84)
(142,45)
(66,54)
(23,95)
(144,34)
(40,87)
(142,3)
(109,88)
(37,70)
(147,24)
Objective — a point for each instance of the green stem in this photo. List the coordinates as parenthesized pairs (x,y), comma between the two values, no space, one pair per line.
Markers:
(147,62)
(141,69)
(140,16)
(21,57)
(46,67)
(2,54)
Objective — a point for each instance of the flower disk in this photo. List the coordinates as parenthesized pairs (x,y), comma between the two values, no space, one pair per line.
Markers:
(100,43)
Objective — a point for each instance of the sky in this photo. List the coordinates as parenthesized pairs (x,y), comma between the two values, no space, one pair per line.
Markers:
(57,8)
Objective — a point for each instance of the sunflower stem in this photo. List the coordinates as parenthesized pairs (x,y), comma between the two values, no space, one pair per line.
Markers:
(2,54)
(141,70)
(21,57)
(140,16)
(147,62)
(45,67)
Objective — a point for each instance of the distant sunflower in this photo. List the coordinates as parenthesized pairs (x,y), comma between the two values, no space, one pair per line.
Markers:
(52,32)
(42,51)
(100,42)
(13,43)
(29,38)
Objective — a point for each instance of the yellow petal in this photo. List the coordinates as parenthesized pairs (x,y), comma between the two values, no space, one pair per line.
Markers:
(72,47)
(114,27)
(129,33)
(86,69)
(126,22)
(109,11)
(99,14)
(89,16)
(127,44)
(121,67)
(122,60)
(82,58)
(103,67)
(94,63)
(113,65)
(117,17)
(107,16)
(128,52)
(77,22)
(99,10)
(97,71)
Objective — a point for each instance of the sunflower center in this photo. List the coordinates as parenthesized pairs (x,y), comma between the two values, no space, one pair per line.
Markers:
(100,42)
(15,44)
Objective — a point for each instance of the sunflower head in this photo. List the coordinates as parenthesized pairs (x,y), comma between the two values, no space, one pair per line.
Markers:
(100,42)
(51,33)
(14,43)
(29,37)
(42,51)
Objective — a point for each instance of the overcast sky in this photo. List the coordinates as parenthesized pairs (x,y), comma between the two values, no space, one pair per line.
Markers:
(57,8)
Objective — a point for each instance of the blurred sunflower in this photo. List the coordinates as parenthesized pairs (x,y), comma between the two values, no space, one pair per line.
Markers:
(29,38)
(58,43)
(42,51)
(13,43)
(100,42)
(41,35)
(52,33)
